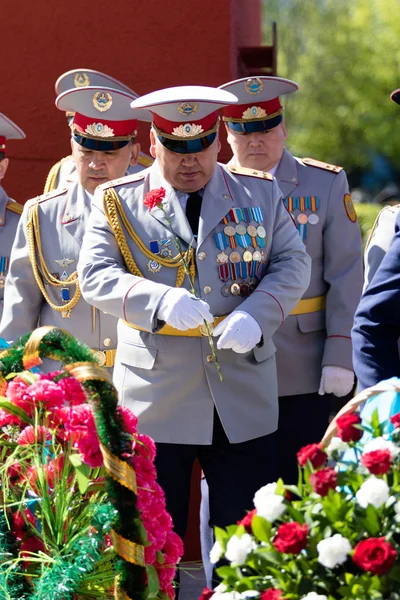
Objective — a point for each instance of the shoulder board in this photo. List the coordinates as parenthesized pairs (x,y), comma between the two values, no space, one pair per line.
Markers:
(145,161)
(250,172)
(311,162)
(123,180)
(53,194)
(15,207)
(51,179)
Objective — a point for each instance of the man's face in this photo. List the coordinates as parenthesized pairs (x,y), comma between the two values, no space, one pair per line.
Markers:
(94,167)
(261,150)
(185,172)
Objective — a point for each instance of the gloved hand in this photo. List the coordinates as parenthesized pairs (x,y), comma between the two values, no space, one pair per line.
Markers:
(336,380)
(180,309)
(239,332)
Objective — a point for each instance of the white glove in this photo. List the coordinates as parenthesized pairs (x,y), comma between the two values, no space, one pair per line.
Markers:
(336,380)
(239,332)
(180,309)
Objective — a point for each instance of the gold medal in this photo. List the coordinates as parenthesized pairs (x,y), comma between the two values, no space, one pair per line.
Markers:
(235,289)
(257,256)
(234,257)
(247,256)
(240,229)
(252,231)
(302,218)
(153,266)
(222,258)
(229,230)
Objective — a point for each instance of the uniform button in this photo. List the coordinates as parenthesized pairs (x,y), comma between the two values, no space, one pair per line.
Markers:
(225,196)
(207,289)
(201,255)
(210,358)
(107,342)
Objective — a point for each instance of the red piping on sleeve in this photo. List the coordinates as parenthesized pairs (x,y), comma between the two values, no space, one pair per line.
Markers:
(346,337)
(279,304)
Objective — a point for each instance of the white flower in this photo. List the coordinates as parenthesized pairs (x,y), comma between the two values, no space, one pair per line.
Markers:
(238,548)
(379,443)
(333,551)
(250,594)
(314,596)
(216,552)
(269,504)
(373,491)
(220,588)
(336,445)
(227,595)
(397,511)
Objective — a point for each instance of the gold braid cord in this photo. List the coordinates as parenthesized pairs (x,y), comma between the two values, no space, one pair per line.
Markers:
(31,356)
(131,552)
(119,594)
(35,244)
(119,470)
(117,218)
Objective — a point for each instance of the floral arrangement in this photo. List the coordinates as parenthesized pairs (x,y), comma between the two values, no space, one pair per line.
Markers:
(70,521)
(336,535)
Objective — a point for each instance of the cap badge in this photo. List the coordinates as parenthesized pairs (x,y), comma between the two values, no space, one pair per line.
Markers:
(187,130)
(254,86)
(102,101)
(99,130)
(254,112)
(81,79)
(188,108)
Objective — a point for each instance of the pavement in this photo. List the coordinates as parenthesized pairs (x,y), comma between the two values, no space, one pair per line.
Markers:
(192,580)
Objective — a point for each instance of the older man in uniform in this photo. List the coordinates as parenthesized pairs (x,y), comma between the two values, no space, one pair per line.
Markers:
(64,170)
(383,231)
(10,210)
(314,353)
(42,284)
(250,268)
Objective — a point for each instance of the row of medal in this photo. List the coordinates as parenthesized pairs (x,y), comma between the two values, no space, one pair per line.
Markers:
(303,203)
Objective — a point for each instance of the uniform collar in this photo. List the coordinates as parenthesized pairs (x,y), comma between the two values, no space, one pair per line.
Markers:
(287,174)
(3,205)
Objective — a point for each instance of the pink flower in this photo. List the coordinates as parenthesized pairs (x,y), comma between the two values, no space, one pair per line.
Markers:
(8,419)
(73,391)
(144,468)
(129,419)
(154,198)
(17,392)
(89,449)
(14,472)
(54,470)
(145,446)
(173,548)
(47,392)
(33,435)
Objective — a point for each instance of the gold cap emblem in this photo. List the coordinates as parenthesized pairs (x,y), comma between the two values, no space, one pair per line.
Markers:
(188,108)
(254,86)
(254,112)
(102,101)
(187,130)
(81,79)
(99,130)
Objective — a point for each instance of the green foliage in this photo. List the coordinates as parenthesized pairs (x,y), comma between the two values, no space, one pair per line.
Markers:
(344,55)
(366,214)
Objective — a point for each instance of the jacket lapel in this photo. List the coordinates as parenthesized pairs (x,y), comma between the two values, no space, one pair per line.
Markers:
(287,174)
(76,211)
(217,202)
(173,207)
(3,204)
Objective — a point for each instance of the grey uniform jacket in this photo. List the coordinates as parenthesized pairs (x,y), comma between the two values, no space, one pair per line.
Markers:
(10,213)
(63,216)
(379,241)
(307,342)
(170,382)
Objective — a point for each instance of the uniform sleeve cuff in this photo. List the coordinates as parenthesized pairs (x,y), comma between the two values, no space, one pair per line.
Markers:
(338,352)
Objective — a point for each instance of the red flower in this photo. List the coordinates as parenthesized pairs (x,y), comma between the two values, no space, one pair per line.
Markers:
(396,421)
(312,453)
(346,430)
(324,480)
(154,198)
(375,555)
(206,594)
(291,538)
(246,521)
(33,435)
(377,461)
(271,594)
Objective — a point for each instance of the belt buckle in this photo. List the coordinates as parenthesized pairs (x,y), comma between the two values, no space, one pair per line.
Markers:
(101,357)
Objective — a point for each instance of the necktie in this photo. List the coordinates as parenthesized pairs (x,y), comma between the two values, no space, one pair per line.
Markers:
(193,208)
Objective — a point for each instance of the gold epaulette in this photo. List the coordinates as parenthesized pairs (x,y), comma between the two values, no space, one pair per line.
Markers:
(122,180)
(15,207)
(311,162)
(51,180)
(250,172)
(145,161)
(53,194)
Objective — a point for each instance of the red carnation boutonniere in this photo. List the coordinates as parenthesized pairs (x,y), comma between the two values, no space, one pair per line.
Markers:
(154,198)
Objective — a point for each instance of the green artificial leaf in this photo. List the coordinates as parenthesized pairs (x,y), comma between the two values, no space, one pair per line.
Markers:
(15,410)
(261,528)
(82,472)
(371,521)
(153,583)
(394,573)
(75,460)
(221,536)
(270,556)
(376,424)
(160,557)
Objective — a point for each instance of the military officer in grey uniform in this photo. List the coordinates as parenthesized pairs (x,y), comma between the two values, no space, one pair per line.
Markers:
(382,233)
(64,171)
(42,284)
(10,210)
(314,352)
(249,266)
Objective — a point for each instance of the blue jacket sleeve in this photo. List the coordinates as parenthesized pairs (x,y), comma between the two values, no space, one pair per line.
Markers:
(376,329)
